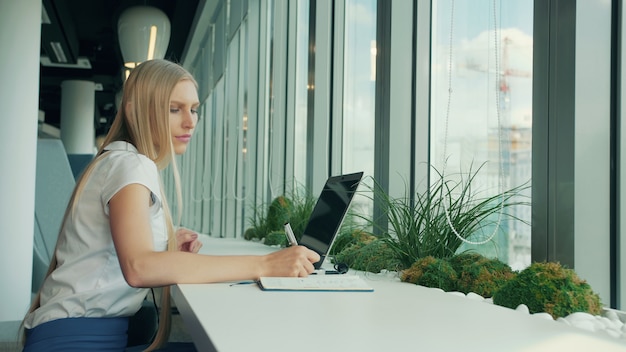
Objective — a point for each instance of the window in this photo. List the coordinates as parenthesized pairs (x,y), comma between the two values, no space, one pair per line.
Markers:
(481,107)
(359,94)
(359,86)
(301,98)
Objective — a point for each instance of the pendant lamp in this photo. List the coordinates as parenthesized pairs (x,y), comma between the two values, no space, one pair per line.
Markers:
(143,33)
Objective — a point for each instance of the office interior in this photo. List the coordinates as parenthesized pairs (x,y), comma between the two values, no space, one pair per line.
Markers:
(293,92)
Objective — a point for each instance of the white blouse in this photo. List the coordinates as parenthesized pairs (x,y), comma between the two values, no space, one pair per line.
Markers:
(88,280)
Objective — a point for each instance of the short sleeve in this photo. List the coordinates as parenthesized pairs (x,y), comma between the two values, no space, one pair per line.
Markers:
(125,168)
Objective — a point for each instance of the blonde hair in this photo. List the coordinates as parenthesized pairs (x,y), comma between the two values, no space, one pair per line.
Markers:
(143,121)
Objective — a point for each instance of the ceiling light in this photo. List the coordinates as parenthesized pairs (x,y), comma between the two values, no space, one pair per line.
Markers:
(81,63)
(143,33)
(58,52)
(45,19)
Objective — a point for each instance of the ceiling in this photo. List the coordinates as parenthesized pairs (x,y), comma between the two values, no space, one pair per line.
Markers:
(87,32)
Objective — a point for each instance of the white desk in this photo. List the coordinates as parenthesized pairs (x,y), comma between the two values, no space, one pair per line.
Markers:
(395,317)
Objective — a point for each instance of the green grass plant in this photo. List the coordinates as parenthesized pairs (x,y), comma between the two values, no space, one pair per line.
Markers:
(418,227)
(303,203)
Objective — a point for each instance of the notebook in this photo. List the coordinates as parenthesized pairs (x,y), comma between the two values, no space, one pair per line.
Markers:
(349,283)
(328,213)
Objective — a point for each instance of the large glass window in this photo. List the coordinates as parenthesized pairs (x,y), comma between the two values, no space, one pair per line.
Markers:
(302,89)
(481,108)
(359,86)
(359,82)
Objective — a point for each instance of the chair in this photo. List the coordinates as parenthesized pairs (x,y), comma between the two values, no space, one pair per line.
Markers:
(53,188)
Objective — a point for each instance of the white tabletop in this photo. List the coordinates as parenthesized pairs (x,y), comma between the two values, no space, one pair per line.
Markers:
(395,317)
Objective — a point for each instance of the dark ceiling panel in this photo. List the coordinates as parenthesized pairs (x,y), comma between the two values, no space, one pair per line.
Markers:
(58,36)
(92,25)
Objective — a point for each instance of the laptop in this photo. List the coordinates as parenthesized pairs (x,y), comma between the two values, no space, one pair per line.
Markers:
(328,213)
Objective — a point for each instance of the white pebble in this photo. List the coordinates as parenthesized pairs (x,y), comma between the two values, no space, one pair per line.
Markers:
(543,315)
(562,320)
(522,308)
(578,316)
(615,326)
(613,333)
(603,322)
(475,296)
(588,325)
(611,315)
(611,322)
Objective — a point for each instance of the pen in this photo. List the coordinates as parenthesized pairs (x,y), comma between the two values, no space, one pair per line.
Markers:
(290,236)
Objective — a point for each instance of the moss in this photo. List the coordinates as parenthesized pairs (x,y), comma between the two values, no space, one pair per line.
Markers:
(276,238)
(342,241)
(431,272)
(278,213)
(372,256)
(271,217)
(348,254)
(549,287)
(250,233)
(479,274)
(461,260)
(258,225)
(348,238)
(375,256)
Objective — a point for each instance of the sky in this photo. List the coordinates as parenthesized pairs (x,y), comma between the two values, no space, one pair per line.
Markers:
(473,62)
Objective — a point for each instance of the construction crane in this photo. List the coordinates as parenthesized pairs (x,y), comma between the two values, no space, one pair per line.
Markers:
(503,80)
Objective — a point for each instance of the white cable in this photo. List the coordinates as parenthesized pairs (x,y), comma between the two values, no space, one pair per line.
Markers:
(445,142)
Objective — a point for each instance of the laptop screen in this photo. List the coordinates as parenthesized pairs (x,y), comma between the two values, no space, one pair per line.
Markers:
(329,212)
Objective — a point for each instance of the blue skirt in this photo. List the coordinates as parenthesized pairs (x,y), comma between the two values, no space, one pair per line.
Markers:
(78,334)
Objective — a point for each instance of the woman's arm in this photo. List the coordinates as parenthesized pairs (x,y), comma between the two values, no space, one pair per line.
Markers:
(142,266)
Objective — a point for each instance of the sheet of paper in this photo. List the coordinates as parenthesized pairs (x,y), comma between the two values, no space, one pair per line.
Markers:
(315,283)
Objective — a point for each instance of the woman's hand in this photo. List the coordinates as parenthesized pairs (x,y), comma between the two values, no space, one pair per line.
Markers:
(293,261)
(187,241)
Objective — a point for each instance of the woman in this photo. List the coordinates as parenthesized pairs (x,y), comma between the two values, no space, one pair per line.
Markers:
(117,227)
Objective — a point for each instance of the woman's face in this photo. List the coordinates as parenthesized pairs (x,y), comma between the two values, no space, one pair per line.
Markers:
(183,114)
